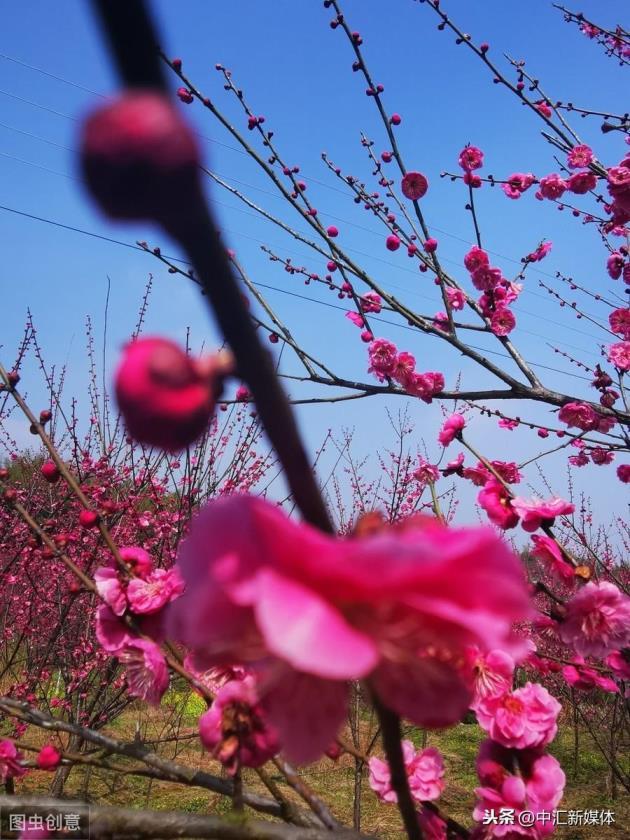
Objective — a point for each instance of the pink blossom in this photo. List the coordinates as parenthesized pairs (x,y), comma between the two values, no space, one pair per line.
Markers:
(470,158)
(454,466)
(583,678)
(456,298)
(111,633)
(623,473)
(156,590)
(540,253)
(425,772)
(485,278)
(502,321)
(526,717)
(48,758)
(356,319)
(582,182)
(580,157)
(403,368)
(109,587)
(426,473)
(507,423)
(552,186)
(495,500)
(614,265)
(548,551)
(138,559)
(517,184)
(619,186)
(619,664)
(619,355)
(165,396)
(543,108)
(492,674)
(10,758)
(597,620)
(432,825)
(383,355)
(601,456)
(619,320)
(537,512)
(235,729)
(314,611)
(580,415)
(451,428)
(147,674)
(414,185)
(371,302)
(476,258)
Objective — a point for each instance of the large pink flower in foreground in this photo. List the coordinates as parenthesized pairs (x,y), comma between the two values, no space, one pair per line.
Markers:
(597,620)
(310,611)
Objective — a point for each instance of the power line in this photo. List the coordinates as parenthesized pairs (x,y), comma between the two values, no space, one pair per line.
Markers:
(274,288)
(52,75)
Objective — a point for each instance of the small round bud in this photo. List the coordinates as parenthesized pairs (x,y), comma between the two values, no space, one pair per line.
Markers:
(50,472)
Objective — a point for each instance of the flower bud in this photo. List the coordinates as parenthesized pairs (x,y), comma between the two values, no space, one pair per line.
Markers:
(50,472)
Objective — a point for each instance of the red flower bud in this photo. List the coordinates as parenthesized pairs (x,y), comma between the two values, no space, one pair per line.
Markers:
(165,396)
(88,518)
(140,159)
(48,758)
(44,416)
(50,472)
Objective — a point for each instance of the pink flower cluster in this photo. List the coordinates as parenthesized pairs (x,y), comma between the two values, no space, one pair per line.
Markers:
(308,612)
(143,596)
(585,417)
(505,511)
(425,773)
(520,719)
(498,292)
(536,786)
(597,620)
(387,363)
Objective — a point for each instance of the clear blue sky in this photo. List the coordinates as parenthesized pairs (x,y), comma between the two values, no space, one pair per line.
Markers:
(296,72)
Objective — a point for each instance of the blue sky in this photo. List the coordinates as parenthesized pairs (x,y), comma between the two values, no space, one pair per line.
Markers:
(296,71)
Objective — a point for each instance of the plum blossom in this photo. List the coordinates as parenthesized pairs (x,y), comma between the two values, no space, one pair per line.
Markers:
(619,320)
(110,588)
(426,473)
(537,789)
(580,157)
(10,758)
(619,185)
(235,730)
(150,594)
(48,758)
(502,321)
(147,673)
(383,355)
(492,674)
(623,473)
(526,717)
(614,265)
(456,298)
(552,186)
(582,182)
(138,559)
(580,676)
(414,185)
(517,184)
(536,512)
(425,772)
(403,368)
(470,158)
(540,253)
(371,302)
(451,429)
(496,502)
(548,551)
(476,258)
(597,620)
(619,355)
(485,278)
(580,415)
(311,611)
